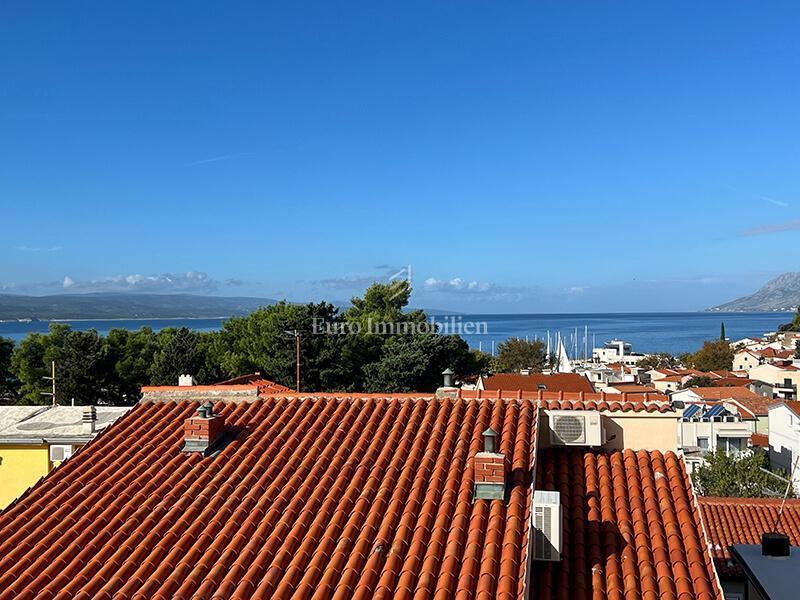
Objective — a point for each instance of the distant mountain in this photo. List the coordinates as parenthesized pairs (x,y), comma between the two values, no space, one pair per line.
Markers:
(125,306)
(781,293)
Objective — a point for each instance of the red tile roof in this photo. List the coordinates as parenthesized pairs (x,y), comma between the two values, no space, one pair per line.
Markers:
(742,521)
(755,403)
(773,353)
(759,439)
(328,497)
(252,381)
(347,497)
(734,406)
(624,402)
(732,381)
(265,386)
(631,528)
(721,374)
(632,386)
(793,405)
(555,382)
(681,372)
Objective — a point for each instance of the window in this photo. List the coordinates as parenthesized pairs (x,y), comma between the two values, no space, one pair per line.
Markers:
(733,445)
(702,443)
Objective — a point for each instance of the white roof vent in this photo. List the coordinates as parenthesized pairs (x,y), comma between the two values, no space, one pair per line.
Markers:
(546,526)
(576,428)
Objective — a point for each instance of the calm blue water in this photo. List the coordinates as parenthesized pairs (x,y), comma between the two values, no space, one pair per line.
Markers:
(648,332)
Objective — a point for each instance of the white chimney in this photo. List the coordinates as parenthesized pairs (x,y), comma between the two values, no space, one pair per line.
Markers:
(186,380)
(89,420)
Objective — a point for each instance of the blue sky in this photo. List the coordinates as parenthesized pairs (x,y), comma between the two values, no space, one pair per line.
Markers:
(520,156)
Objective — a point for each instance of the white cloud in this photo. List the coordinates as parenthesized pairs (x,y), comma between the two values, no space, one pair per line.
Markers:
(773,228)
(38,249)
(775,202)
(473,289)
(213,159)
(191,281)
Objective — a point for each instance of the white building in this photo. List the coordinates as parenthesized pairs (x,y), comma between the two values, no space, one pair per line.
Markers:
(751,402)
(616,351)
(784,379)
(784,437)
(706,427)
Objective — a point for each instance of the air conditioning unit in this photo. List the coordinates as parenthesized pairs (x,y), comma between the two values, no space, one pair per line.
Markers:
(576,428)
(60,452)
(546,526)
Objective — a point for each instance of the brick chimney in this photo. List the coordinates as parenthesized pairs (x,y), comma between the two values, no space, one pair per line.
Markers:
(202,431)
(490,470)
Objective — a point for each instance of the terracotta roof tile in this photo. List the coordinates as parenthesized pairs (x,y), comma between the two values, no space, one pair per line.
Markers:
(773,353)
(755,403)
(625,402)
(631,528)
(731,521)
(348,497)
(265,386)
(632,387)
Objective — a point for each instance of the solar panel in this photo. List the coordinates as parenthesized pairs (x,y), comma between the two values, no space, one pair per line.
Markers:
(715,411)
(690,411)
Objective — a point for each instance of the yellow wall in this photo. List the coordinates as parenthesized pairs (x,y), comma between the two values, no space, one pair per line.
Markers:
(20,468)
(634,430)
(641,431)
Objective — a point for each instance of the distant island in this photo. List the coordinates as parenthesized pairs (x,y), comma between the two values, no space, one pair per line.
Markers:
(125,306)
(779,294)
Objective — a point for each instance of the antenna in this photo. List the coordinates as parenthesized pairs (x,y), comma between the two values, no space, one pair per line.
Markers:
(296,334)
(52,378)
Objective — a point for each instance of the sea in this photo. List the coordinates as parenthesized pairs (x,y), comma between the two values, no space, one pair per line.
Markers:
(647,332)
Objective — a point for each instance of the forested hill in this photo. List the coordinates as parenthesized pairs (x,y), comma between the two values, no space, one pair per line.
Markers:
(125,306)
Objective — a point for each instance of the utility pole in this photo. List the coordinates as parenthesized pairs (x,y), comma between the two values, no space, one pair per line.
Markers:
(52,379)
(296,334)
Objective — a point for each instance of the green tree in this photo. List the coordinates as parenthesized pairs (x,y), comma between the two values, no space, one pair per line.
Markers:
(31,362)
(85,372)
(735,476)
(722,337)
(375,317)
(132,354)
(713,356)
(699,381)
(794,325)
(481,363)
(414,363)
(383,303)
(179,353)
(797,349)
(260,342)
(516,354)
(660,360)
(8,381)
